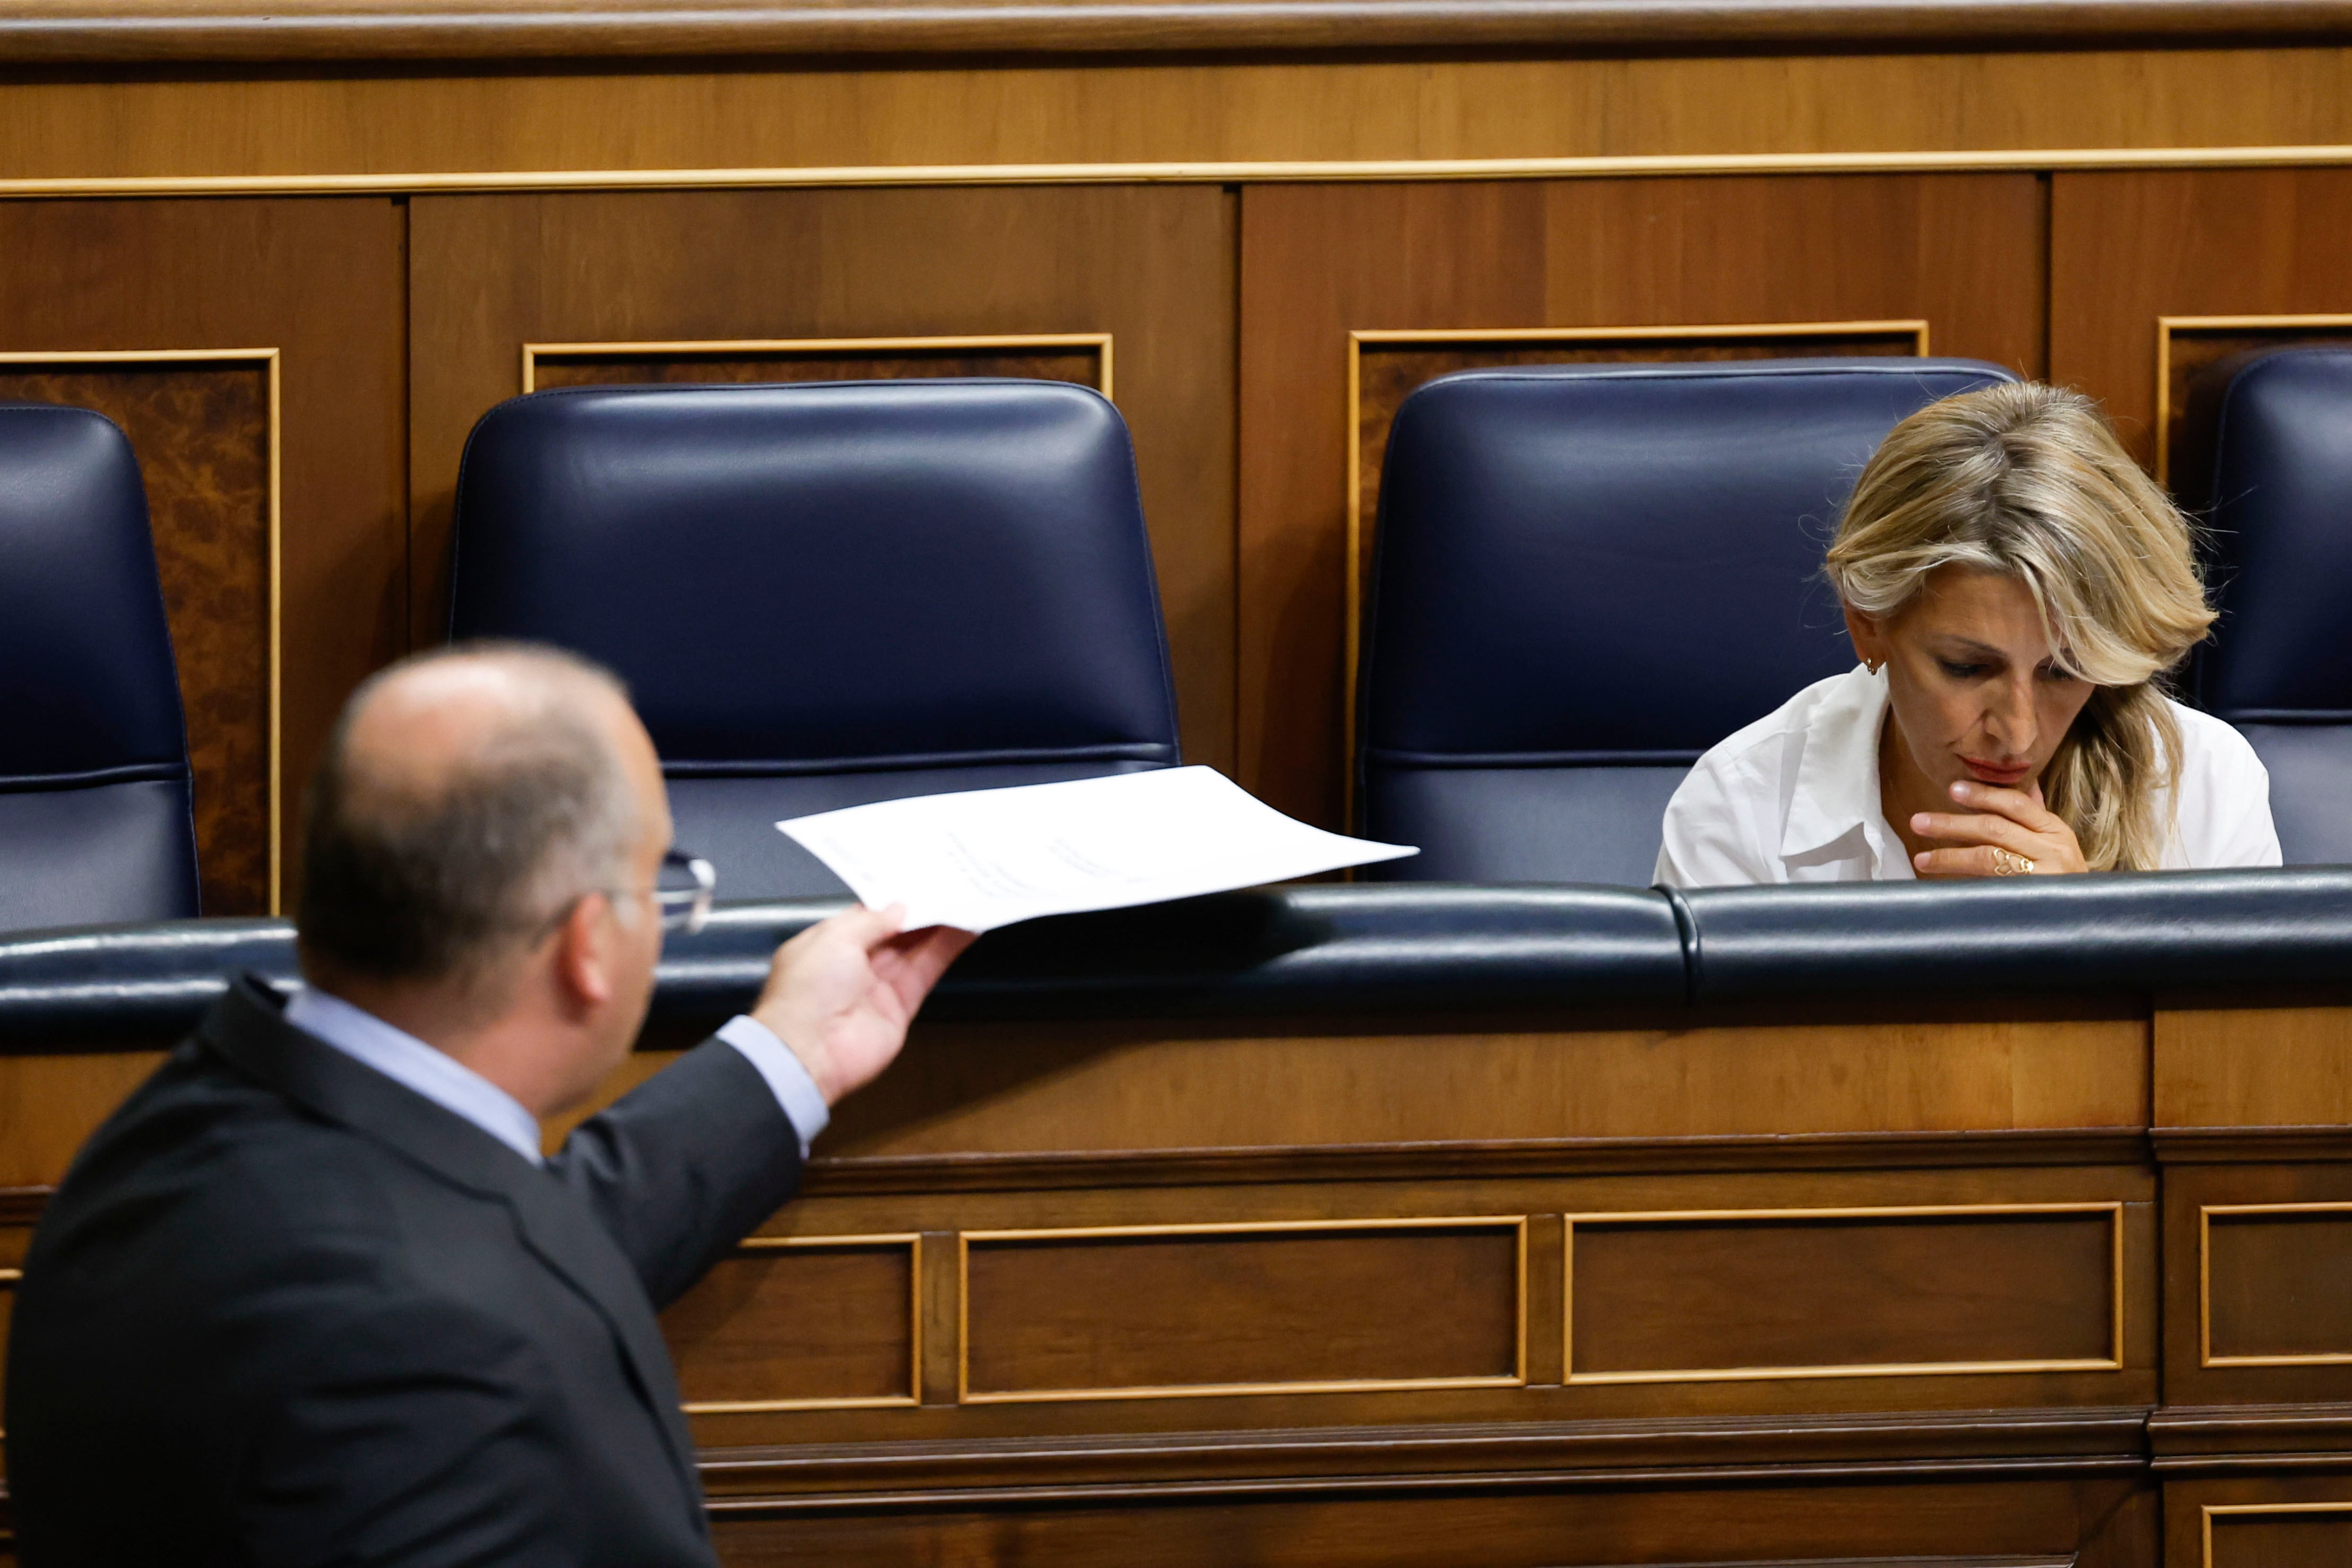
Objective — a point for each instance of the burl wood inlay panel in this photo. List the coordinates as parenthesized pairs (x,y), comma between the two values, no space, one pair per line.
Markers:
(795,1326)
(1655,1299)
(1388,372)
(2279,1285)
(2189,349)
(1078,1315)
(201,431)
(2312,1536)
(672,367)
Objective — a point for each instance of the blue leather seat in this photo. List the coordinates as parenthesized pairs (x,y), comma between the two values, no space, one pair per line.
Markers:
(96,802)
(827,594)
(1585,577)
(2271,454)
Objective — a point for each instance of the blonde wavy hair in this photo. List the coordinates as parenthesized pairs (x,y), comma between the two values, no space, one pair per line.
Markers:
(2029,481)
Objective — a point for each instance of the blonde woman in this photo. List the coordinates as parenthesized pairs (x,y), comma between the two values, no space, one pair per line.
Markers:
(2017,587)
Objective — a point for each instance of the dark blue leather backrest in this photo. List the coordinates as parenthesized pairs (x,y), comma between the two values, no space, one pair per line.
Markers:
(2278,487)
(826,594)
(95,798)
(1586,576)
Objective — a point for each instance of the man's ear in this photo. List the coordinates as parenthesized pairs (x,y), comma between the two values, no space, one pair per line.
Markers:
(1868,634)
(583,954)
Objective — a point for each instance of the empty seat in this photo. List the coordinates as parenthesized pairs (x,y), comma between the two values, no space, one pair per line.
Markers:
(824,595)
(2270,462)
(96,804)
(1585,577)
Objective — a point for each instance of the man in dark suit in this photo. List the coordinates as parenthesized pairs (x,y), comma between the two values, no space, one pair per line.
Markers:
(312,1296)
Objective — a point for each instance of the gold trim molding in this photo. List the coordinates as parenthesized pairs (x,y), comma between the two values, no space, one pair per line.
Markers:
(1498,336)
(1205,172)
(1516,1378)
(2166,326)
(268,358)
(2205,1356)
(1568,1375)
(1100,342)
(2210,1509)
(913,1242)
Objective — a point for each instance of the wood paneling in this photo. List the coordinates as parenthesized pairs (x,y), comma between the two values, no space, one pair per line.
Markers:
(1318,262)
(321,282)
(198,124)
(1033,1088)
(1090,1315)
(1150,266)
(2312,1536)
(2262,1522)
(674,363)
(2126,248)
(2257,1266)
(1664,1297)
(2281,1066)
(203,432)
(2278,1284)
(2085,1523)
(797,1323)
(2190,346)
(51,1104)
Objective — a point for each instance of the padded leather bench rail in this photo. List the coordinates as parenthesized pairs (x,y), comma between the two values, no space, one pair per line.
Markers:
(1345,950)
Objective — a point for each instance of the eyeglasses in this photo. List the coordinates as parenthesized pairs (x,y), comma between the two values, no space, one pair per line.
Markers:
(682,891)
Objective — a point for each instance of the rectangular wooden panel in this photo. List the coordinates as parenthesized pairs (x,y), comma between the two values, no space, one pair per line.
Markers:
(2278,1535)
(2278,1066)
(1151,268)
(2277,1284)
(1963,253)
(801,1323)
(1732,1295)
(205,431)
(1196,1310)
(1022,1088)
(1084,358)
(321,281)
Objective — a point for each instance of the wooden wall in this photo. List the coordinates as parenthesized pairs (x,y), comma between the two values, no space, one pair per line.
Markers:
(2057,1286)
(299,380)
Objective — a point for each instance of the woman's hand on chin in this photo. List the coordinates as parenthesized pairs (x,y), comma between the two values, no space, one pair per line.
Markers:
(2003,832)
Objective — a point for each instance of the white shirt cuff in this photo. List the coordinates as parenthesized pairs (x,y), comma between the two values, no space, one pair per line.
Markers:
(796,1093)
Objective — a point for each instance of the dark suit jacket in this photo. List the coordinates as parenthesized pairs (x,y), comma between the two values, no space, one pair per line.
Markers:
(285,1311)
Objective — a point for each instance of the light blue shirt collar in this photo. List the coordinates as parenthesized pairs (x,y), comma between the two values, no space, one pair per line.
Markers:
(409,1061)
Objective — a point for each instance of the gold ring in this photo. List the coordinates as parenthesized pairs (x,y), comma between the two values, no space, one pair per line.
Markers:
(2008,862)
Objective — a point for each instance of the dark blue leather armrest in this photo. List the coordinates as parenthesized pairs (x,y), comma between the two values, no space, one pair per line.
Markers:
(1419,950)
(1313,950)
(2167,931)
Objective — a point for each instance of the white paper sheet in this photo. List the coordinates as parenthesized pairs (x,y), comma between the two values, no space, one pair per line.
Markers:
(987,857)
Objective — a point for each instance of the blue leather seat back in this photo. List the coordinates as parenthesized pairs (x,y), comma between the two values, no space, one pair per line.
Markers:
(826,594)
(1587,576)
(95,804)
(2280,666)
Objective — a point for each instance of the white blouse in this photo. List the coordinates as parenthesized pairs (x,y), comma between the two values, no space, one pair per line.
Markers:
(1794,797)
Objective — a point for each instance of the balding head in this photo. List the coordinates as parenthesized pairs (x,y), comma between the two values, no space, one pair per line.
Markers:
(468,798)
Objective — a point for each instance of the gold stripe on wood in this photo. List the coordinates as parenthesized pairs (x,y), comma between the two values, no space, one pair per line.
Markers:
(2205,1356)
(1568,1375)
(2242,1508)
(964,1395)
(2166,326)
(913,1242)
(269,358)
(1100,342)
(1500,336)
(1186,172)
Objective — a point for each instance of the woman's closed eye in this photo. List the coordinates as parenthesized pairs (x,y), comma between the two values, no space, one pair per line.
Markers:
(1959,671)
